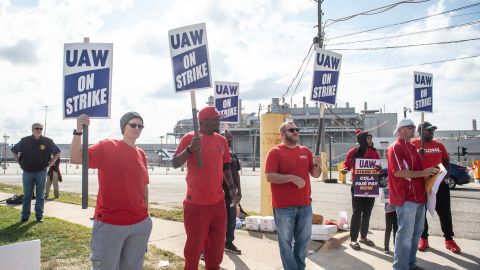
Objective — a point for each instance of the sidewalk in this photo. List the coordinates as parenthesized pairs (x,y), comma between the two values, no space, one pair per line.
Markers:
(260,251)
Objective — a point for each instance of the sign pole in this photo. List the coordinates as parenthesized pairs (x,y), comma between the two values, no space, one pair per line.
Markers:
(195,126)
(422,120)
(85,158)
(321,122)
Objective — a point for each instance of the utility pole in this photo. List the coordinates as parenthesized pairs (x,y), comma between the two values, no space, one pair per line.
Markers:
(45,123)
(5,137)
(405,110)
(321,121)
(255,138)
(161,152)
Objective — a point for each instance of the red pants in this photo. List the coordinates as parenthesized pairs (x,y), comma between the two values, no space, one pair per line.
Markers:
(205,226)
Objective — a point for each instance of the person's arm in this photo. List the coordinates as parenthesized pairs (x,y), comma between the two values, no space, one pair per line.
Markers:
(15,150)
(445,160)
(278,178)
(145,194)
(76,144)
(414,174)
(227,176)
(180,158)
(347,166)
(54,159)
(15,155)
(316,170)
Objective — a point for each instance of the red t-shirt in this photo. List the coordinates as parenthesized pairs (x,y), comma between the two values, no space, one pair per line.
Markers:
(403,155)
(434,152)
(371,153)
(122,176)
(204,185)
(296,161)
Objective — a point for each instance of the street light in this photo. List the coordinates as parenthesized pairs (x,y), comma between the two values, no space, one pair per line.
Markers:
(405,110)
(161,152)
(45,123)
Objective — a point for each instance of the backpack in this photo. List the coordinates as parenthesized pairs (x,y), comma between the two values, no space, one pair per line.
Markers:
(15,199)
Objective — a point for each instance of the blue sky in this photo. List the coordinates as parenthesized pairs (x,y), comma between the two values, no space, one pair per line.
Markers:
(259,43)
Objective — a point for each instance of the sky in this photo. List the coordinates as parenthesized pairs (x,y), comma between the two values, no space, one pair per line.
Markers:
(258,43)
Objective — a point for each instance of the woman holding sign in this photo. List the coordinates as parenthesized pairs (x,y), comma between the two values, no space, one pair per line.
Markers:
(362,206)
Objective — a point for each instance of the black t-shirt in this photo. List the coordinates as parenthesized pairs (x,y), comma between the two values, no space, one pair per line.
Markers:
(35,154)
(234,167)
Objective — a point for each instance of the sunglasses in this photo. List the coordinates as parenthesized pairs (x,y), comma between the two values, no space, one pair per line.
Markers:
(139,126)
(297,130)
(38,128)
(410,127)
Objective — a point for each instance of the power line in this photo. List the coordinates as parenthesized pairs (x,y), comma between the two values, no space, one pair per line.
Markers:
(405,46)
(421,64)
(301,77)
(298,71)
(374,11)
(410,34)
(405,22)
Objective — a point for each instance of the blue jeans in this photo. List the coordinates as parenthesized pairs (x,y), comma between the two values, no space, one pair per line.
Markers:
(410,219)
(31,179)
(294,228)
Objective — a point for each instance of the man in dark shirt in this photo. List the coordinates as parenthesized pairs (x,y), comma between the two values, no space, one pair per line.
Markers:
(34,153)
(232,209)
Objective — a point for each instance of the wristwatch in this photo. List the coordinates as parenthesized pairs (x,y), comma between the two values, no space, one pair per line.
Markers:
(234,189)
(75,133)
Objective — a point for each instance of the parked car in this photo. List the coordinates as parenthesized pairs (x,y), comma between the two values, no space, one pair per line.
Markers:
(458,176)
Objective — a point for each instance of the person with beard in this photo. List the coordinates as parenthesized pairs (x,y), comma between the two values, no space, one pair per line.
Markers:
(361,206)
(288,169)
(231,209)
(435,153)
(204,209)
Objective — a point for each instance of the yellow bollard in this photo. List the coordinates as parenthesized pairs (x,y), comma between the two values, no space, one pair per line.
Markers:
(269,137)
(342,178)
(324,165)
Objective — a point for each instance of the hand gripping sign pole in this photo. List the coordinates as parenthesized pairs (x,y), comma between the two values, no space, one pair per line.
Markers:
(85,158)
(422,99)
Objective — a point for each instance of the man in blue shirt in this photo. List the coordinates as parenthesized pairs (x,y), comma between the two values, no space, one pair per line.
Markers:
(34,153)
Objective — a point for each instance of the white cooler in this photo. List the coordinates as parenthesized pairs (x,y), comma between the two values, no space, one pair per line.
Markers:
(267,224)
(252,223)
(323,232)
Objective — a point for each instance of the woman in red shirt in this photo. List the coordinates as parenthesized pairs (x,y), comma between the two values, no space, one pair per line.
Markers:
(362,206)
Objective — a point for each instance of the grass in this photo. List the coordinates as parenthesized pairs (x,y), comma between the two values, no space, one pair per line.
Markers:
(65,197)
(65,245)
(174,215)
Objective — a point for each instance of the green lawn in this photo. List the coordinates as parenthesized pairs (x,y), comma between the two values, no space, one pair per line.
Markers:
(65,245)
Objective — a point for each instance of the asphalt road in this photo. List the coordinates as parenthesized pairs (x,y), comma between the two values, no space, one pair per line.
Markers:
(328,199)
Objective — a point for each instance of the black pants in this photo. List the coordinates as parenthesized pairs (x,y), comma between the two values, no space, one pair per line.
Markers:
(391,223)
(444,212)
(362,209)
(231,216)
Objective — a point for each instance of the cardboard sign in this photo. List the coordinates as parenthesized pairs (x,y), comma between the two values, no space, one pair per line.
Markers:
(190,62)
(227,101)
(422,92)
(326,71)
(366,182)
(87,79)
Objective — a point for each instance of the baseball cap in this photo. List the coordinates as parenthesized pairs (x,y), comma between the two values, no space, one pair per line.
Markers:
(426,125)
(207,112)
(403,123)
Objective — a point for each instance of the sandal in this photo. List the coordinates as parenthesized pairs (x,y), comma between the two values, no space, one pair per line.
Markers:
(355,245)
(367,242)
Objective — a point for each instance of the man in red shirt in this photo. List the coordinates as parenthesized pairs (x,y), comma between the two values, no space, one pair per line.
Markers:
(435,153)
(288,169)
(205,217)
(406,183)
(121,225)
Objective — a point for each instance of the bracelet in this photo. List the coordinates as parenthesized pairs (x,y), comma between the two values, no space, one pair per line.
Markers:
(233,188)
(188,150)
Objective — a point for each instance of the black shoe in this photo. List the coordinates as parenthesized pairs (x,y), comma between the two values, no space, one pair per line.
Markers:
(367,242)
(39,219)
(230,247)
(386,250)
(23,220)
(355,245)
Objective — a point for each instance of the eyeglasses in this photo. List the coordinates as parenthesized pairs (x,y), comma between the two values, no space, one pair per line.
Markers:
(38,128)
(297,130)
(139,126)
(410,127)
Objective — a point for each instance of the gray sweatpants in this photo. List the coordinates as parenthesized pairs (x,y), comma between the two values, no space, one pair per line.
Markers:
(119,247)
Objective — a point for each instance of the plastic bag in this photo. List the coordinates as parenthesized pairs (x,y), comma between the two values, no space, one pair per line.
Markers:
(343,220)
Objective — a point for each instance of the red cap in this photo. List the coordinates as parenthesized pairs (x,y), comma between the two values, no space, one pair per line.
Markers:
(207,112)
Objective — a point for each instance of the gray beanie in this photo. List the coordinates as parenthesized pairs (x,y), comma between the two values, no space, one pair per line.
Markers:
(127,117)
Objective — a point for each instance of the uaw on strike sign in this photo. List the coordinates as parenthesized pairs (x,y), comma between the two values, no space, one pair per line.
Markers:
(326,69)
(87,79)
(189,52)
(226,101)
(422,92)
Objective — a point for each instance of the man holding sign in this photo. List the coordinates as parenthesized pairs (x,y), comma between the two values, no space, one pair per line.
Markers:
(406,183)
(435,153)
(204,214)
(121,225)
(365,162)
